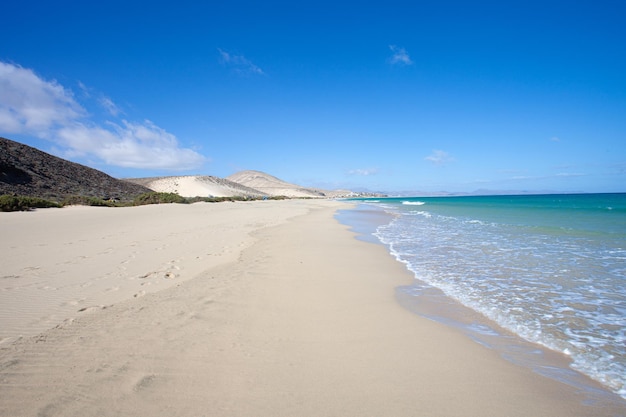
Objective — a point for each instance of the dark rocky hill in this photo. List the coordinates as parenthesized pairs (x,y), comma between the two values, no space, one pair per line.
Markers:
(27,171)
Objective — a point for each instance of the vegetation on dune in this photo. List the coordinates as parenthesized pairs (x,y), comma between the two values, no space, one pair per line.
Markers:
(159,198)
(79,200)
(218,199)
(24,203)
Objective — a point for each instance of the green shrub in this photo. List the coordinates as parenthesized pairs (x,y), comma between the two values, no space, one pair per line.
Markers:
(82,200)
(159,198)
(221,199)
(23,203)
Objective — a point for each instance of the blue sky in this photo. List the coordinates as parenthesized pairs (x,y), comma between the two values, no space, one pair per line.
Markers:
(438,95)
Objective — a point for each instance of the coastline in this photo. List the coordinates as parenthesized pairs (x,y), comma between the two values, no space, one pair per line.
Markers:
(427,301)
(294,317)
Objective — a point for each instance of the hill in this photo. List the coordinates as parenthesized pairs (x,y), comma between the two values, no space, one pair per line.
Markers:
(27,171)
(273,186)
(245,183)
(197,186)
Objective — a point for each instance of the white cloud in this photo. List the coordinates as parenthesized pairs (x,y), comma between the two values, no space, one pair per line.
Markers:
(131,145)
(439,157)
(239,63)
(33,106)
(363,172)
(555,139)
(400,56)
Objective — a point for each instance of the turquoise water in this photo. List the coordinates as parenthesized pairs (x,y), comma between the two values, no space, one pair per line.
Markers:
(549,268)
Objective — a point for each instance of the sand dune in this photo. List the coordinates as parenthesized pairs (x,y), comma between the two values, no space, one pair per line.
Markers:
(197,186)
(244,183)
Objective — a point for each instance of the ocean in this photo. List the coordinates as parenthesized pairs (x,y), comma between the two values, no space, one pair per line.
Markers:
(549,269)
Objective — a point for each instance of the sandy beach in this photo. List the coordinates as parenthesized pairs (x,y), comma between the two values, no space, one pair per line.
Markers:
(266,308)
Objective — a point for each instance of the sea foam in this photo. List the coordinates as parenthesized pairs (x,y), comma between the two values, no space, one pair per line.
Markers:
(550,270)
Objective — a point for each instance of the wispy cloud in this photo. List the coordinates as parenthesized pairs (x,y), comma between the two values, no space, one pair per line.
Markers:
(570,174)
(439,157)
(84,89)
(363,172)
(400,56)
(239,63)
(109,106)
(104,101)
(555,139)
(45,109)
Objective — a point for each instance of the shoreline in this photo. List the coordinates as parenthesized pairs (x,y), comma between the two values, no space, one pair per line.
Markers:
(432,303)
(301,319)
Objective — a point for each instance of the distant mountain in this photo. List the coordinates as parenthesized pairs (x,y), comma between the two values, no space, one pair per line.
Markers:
(475,193)
(27,171)
(273,186)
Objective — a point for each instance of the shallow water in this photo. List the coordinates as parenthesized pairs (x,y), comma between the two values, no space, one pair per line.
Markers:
(549,269)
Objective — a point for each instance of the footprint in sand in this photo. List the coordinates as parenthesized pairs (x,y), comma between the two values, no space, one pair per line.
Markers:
(91,308)
(144,382)
(74,303)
